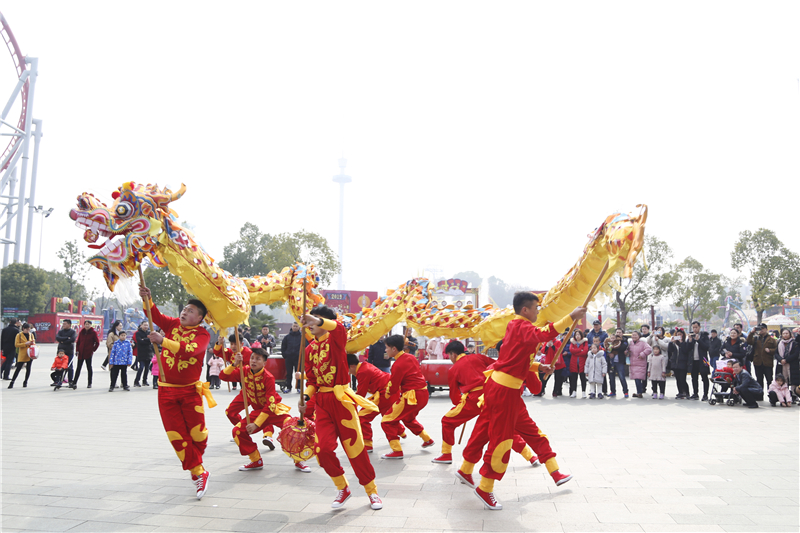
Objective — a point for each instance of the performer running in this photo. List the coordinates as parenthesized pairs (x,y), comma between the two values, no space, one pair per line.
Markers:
(411,392)
(505,410)
(268,410)
(466,379)
(335,411)
(180,391)
(372,383)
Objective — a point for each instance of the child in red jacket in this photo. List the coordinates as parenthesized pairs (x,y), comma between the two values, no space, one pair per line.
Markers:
(58,368)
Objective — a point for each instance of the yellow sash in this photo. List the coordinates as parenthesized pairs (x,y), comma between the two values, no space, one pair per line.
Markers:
(201,387)
(345,394)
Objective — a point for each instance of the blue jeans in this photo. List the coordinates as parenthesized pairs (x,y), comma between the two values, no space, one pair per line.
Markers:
(617,369)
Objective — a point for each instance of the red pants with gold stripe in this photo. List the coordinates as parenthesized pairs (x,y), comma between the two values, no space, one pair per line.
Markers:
(404,413)
(242,438)
(384,406)
(234,414)
(460,414)
(184,420)
(503,416)
(339,420)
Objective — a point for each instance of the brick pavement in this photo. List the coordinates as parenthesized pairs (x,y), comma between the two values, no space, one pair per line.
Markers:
(90,460)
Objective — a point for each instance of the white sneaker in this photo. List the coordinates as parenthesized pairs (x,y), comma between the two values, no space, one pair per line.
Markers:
(302,467)
(526,392)
(573,395)
(375,502)
(584,395)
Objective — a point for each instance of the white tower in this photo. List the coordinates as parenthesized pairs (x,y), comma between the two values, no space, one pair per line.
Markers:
(341,179)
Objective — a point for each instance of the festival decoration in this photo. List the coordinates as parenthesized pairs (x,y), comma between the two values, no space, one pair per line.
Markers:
(297,439)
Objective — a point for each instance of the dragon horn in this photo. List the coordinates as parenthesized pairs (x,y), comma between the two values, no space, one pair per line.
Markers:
(175,195)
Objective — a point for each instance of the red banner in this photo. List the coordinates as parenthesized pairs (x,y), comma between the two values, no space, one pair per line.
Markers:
(349,301)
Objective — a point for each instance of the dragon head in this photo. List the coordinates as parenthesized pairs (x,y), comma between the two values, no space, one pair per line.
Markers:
(130,227)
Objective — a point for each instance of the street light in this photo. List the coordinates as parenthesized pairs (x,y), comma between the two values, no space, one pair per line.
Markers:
(45,214)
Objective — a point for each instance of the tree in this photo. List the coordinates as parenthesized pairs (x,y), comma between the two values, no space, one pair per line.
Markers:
(256,253)
(774,270)
(696,290)
(24,287)
(165,287)
(59,286)
(473,278)
(75,269)
(259,319)
(647,286)
(244,257)
(284,249)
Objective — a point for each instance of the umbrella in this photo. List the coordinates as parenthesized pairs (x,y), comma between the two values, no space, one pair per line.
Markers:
(780,320)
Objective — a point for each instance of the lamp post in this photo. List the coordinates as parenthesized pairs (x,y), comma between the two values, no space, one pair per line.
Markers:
(39,209)
(341,179)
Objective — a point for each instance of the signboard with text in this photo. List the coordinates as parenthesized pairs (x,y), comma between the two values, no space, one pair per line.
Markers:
(349,301)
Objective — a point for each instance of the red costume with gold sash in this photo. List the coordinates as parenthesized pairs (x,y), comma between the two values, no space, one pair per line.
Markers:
(410,389)
(267,411)
(335,413)
(372,384)
(180,391)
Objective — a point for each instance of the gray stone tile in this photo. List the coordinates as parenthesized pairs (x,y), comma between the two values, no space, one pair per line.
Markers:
(588,527)
(36,523)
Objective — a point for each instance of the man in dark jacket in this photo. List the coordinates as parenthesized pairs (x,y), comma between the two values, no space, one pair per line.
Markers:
(616,362)
(714,350)
(746,387)
(7,344)
(377,356)
(764,348)
(144,353)
(698,342)
(290,350)
(266,339)
(66,338)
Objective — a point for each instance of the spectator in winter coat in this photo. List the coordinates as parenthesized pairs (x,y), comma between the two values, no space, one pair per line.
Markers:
(682,364)
(616,362)
(9,335)
(59,367)
(87,344)
(377,356)
(548,352)
(745,386)
(764,348)
(65,338)
(596,368)
(787,358)
(578,350)
(657,371)
(215,366)
(266,339)
(120,358)
(779,392)
(144,353)
(698,344)
(638,350)
(714,350)
(734,347)
(113,336)
(154,370)
(290,350)
(596,333)
(657,339)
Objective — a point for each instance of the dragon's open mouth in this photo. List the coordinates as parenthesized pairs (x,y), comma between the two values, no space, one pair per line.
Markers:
(114,246)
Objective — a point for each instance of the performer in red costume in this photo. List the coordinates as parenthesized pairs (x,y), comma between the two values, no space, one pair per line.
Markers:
(505,410)
(268,410)
(335,413)
(411,392)
(372,383)
(466,379)
(235,408)
(180,391)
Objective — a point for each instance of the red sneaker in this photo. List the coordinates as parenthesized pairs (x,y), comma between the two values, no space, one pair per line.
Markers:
(201,482)
(301,466)
(488,499)
(393,455)
(444,459)
(428,443)
(255,465)
(535,461)
(375,502)
(560,478)
(466,479)
(342,497)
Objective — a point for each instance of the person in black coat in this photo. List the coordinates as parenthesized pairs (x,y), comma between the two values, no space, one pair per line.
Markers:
(678,355)
(66,338)
(290,350)
(616,362)
(698,344)
(746,387)
(714,350)
(7,340)
(734,347)
(377,356)
(144,353)
(787,358)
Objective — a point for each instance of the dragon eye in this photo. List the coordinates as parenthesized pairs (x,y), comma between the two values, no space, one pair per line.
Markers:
(124,209)
(83,203)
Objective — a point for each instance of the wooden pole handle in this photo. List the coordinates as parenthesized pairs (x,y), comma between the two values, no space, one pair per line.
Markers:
(589,298)
(302,354)
(148,305)
(241,374)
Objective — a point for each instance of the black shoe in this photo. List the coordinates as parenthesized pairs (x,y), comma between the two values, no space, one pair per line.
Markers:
(24,384)
(126,388)
(145,384)
(11,385)
(705,397)
(694,397)
(89,386)
(137,384)
(773,404)
(753,406)
(111,389)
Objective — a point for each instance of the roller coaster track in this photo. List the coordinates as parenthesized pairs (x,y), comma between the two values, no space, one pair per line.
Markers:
(22,74)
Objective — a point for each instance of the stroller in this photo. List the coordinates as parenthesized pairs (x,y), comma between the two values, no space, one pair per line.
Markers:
(722,385)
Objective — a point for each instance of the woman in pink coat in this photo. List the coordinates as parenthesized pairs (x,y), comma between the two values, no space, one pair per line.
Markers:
(638,350)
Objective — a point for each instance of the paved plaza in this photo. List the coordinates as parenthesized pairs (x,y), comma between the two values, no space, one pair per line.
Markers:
(90,460)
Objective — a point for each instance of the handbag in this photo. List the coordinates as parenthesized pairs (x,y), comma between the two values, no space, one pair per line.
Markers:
(33,352)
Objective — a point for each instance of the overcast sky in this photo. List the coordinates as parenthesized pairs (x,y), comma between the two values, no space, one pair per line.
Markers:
(480,136)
